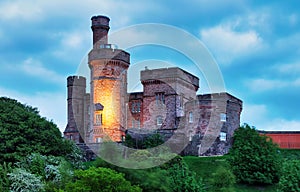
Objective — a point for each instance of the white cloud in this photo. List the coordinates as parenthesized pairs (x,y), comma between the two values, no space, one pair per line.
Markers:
(72,44)
(261,85)
(258,116)
(280,125)
(228,44)
(35,68)
(253,114)
(289,68)
(51,105)
(20,10)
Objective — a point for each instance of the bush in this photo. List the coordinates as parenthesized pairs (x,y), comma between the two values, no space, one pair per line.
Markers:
(290,178)
(254,158)
(23,181)
(100,179)
(222,180)
(182,179)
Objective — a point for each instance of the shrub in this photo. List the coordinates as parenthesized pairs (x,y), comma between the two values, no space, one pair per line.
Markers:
(222,180)
(290,178)
(254,158)
(23,181)
(100,179)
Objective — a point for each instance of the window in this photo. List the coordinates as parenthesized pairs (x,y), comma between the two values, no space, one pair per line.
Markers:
(222,136)
(160,98)
(190,117)
(159,120)
(98,119)
(98,140)
(136,123)
(133,107)
(136,107)
(180,100)
(223,117)
(71,137)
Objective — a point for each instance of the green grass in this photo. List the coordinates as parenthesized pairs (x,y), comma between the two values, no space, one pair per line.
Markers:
(204,167)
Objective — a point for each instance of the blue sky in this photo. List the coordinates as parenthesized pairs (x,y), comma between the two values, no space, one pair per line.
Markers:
(255,44)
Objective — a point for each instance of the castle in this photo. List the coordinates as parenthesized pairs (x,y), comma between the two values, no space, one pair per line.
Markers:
(168,102)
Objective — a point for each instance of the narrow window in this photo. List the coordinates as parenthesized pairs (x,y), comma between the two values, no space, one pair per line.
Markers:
(223,117)
(190,117)
(138,106)
(98,119)
(159,120)
(98,140)
(133,110)
(160,98)
(138,123)
(222,136)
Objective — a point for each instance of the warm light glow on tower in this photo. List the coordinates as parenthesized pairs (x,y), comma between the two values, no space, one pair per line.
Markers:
(108,84)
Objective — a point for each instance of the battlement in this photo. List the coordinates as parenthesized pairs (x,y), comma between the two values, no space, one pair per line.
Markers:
(220,96)
(169,73)
(76,81)
(109,53)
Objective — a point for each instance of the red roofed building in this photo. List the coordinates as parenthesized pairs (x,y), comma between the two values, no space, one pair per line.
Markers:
(285,139)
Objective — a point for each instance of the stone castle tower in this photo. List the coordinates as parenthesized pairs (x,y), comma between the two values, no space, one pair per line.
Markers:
(168,103)
(78,102)
(108,67)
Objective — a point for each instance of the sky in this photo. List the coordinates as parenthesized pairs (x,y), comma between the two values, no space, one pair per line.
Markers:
(255,45)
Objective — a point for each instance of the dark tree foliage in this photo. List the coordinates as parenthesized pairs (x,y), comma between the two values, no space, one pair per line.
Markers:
(152,140)
(24,131)
(254,158)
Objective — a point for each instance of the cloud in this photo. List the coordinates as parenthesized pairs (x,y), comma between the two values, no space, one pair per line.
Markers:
(259,117)
(264,85)
(280,125)
(51,105)
(20,10)
(34,68)
(72,44)
(253,114)
(289,68)
(228,44)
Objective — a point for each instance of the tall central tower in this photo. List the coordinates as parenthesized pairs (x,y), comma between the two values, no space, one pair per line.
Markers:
(108,67)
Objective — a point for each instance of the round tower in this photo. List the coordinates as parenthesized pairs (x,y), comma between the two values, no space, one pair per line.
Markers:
(108,67)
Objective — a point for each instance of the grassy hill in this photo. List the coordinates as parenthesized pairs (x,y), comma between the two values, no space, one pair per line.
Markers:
(206,166)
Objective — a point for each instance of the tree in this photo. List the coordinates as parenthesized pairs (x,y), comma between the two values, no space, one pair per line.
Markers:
(23,131)
(254,158)
(100,179)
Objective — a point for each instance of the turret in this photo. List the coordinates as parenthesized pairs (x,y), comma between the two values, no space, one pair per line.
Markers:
(76,92)
(100,28)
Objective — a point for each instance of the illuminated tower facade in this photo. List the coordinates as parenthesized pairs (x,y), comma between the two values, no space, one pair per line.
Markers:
(108,67)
